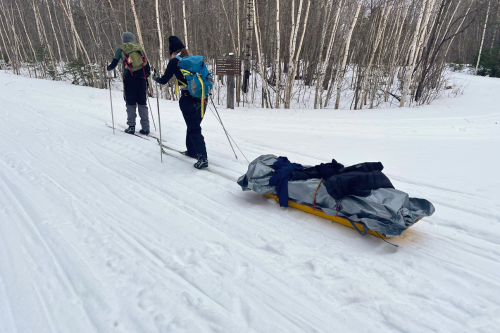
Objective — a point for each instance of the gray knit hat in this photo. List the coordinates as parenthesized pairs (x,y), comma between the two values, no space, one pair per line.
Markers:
(128,37)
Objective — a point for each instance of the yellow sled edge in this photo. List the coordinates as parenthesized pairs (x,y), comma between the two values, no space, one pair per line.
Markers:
(336,219)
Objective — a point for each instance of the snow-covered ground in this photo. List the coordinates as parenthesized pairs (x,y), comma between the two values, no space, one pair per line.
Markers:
(96,235)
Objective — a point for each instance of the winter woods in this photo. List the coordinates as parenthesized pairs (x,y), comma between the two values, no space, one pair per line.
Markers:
(323,53)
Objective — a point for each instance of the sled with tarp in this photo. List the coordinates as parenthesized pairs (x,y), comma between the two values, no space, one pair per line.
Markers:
(359,196)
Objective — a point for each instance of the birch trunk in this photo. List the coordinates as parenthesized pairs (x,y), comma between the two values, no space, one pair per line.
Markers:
(295,64)
(458,29)
(77,38)
(114,14)
(238,54)
(277,61)
(380,32)
(171,16)
(322,72)
(137,25)
(141,41)
(346,53)
(54,31)
(293,41)
(328,7)
(27,36)
(5,45)
(13,55)
(482,39)
(46,40)
(262,68)
(392,65)
(409,71)
(185,23)
(229,24)
(248,47)
(160,36)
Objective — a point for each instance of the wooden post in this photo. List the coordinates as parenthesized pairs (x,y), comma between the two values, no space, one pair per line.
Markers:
(230,87)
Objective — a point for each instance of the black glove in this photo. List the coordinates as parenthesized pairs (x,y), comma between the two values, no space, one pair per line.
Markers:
(155,75)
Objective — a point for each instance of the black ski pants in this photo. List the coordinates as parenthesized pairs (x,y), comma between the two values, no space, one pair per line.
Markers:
(135,89)
(135,94)
(191,110)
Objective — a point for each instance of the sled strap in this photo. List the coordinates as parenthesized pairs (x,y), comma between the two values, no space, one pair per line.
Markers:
(314,198)
(202,97)
(356,227)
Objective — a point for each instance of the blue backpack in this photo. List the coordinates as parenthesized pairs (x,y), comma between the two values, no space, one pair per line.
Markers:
(199,80)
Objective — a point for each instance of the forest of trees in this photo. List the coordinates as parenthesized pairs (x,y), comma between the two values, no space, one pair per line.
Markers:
(360,53)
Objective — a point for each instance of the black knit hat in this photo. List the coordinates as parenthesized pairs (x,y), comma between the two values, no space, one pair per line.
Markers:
(175,44)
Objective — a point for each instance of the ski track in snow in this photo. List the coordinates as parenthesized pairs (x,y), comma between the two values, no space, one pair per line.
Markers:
(96,235)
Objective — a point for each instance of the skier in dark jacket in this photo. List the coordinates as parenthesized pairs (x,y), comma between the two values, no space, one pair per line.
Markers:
(190,106)
(136,70)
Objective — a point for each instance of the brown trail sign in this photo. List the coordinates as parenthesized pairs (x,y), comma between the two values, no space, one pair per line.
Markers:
(230,66)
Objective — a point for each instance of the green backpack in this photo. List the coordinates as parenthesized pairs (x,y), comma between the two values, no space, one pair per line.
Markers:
(133,57)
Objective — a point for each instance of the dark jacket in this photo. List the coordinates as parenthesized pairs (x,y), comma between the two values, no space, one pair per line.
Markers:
(284,169)
(356,183)
(172,69)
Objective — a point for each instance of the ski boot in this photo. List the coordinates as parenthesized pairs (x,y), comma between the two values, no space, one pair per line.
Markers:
(202,162)
(130,130)
(143,132)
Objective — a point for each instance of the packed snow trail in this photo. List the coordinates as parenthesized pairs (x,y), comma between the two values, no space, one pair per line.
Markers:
(96,235)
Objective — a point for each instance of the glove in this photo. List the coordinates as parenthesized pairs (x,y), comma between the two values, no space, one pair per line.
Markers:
(155,75)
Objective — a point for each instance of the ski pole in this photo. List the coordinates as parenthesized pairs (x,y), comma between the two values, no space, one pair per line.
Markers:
(159,120)
(150,110)
(111,101)
(223,127)
(219,120)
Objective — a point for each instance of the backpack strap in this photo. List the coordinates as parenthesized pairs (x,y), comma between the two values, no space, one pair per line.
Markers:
(202,96)
(144,60)
(127,62)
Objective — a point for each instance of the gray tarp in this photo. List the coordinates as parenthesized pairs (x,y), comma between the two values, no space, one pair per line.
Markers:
(386,210)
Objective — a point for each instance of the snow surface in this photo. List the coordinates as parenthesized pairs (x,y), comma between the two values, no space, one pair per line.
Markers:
(96,235)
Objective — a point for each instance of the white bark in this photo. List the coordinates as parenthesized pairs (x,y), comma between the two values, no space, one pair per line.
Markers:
(458,29)
(114,13)
(171,16)
(295,64)
(394,53)
(238,54)
(346,53)
(328,8)
(277,66)
(482,39)
(324,65)
(293,42)
(77,38)
(248,45)
(413,48)
(380,32)
(262,68)
(27,35)
(185,23)
(160,36)
(54,31)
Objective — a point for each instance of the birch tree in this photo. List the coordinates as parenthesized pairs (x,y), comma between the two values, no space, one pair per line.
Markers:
(346,53)
(409,70)
(482,38)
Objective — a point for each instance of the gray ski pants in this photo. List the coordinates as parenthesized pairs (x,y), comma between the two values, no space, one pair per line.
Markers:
(132,115)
